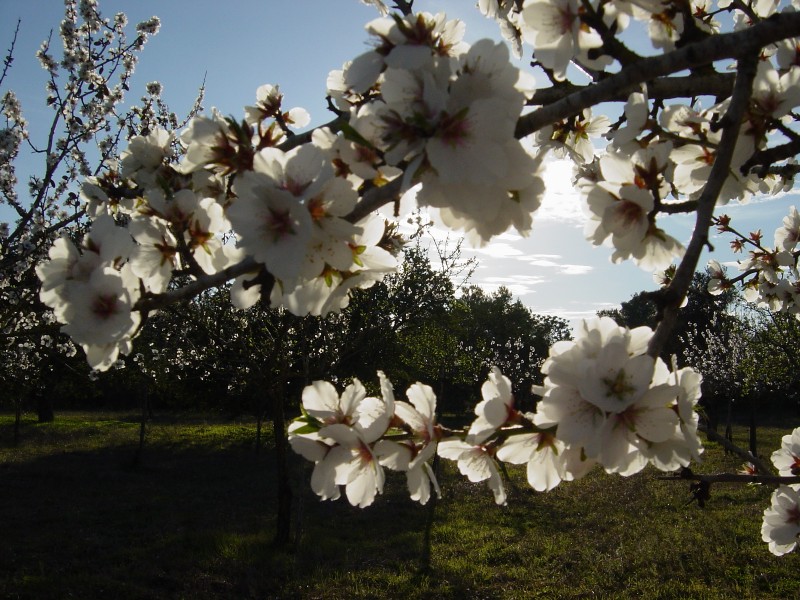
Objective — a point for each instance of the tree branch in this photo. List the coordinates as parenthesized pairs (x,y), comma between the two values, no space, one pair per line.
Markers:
(717,47)
(759,464)
(663,88)
(9,58)
(732,478)
(196,287)
(375,198)
(764,159)
(674,294)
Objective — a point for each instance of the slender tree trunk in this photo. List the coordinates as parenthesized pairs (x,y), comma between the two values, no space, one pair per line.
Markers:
(729,424)
(260,409)
(284,514)
(753,441)
(44,408)
(144,401)
(17,419)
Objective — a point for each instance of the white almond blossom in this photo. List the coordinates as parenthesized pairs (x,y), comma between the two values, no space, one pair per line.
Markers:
(636,115)
(781,525)
(274,227)
(556,32)
(787,459)
(573,136)
(787,236)
(268,106)
(476,463)
(144,155)
(412,42)
(99,316)
(212,143)
(413,456)
(496,408)
(156,254)
(542,452)
(607,397)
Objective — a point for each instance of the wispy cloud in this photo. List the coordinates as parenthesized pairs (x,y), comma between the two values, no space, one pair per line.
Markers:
(497,250)
(575,269)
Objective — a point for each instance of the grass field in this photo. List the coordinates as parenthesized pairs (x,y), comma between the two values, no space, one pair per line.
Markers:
(196,520)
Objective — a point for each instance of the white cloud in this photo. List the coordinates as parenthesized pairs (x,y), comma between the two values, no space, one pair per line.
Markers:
(575,269)
(497,250)
(515,280)
(517,289)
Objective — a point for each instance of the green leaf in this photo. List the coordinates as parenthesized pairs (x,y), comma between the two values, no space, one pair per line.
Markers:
(306,429)
(351,134)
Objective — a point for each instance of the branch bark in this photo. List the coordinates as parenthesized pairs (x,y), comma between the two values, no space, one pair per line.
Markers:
(717,47)
(676,291)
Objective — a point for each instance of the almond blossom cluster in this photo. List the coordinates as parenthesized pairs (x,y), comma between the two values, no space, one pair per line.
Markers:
(85,90)
(447,115)
(769,275)
(345,436)
(243,198)
(661,153)
(605,402)
(781,525)
(652,164)
(155,218)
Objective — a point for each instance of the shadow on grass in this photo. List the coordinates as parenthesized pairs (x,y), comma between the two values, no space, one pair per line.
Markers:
(193,522)
(196,520)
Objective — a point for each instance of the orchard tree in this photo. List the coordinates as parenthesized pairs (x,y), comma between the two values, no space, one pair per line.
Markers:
(500,331)
(706,119)
(773,363)
(88,74)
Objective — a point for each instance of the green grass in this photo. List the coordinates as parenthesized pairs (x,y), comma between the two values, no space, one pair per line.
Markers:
(196,520)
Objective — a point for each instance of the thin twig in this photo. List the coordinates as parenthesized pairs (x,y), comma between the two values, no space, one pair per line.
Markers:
(759,464)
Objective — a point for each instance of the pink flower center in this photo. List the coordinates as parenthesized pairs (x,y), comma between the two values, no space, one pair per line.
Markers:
(364,454)
(279,224)
(629,213)
(105,306)
(454,131)
(793,515)
(296,188)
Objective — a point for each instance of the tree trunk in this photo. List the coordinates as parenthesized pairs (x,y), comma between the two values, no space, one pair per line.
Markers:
(729,425)
(284,515)
(17,419)
(260,409)
(144,402)
(753,441)
(44,408)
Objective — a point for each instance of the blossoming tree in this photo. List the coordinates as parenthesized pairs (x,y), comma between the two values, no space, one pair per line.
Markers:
(290,216)
(85,91)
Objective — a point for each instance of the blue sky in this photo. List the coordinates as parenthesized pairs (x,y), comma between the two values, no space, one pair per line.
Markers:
(242,44)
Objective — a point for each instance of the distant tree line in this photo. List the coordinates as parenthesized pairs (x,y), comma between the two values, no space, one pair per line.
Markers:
(417,325)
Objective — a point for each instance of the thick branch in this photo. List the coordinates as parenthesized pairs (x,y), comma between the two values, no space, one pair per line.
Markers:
(717,47)
(197,286)
(765,158)
(664,88)
(732,120)
(375,198)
